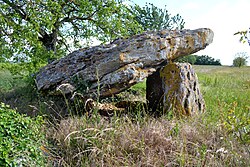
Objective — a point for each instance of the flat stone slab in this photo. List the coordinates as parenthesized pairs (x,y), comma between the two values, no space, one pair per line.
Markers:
(105,70)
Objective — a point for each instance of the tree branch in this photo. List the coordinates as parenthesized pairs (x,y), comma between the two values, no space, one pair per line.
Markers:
(62,41)
(18,9)
(70,19)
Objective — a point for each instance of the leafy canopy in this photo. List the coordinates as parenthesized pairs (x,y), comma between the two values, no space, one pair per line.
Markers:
(244,36)
(187,59)
(38,31)
(154,18)
(240,59)
(206,60)
(199,60)
(42,29)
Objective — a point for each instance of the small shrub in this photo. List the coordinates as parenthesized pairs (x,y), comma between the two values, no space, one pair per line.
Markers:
(238,123)
(20,139)
(240,59)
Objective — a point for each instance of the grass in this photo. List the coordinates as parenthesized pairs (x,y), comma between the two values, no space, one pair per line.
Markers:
(218,137)
(226,91)
(149,142)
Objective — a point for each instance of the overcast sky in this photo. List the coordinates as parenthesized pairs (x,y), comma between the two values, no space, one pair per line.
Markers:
(224,17)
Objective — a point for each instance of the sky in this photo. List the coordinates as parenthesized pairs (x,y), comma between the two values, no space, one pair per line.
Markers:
(224,17)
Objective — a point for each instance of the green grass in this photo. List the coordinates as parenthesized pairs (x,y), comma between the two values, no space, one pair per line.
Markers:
(218,137)
(6,81)
(226,91)
(140,86)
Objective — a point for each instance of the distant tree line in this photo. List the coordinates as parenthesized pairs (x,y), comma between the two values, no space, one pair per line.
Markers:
(199,60)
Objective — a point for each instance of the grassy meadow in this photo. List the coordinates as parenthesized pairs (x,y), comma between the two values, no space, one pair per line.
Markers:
(219,137)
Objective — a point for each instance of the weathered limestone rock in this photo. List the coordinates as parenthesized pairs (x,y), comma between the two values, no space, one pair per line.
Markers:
(109,69)
(175,87)
(104,109)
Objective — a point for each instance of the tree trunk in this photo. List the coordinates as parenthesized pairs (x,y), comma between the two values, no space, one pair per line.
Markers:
(49,41)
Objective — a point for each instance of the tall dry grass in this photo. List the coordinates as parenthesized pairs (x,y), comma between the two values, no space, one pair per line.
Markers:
(219,137)
(123,141)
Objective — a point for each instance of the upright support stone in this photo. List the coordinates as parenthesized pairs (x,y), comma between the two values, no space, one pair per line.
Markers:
(175,87)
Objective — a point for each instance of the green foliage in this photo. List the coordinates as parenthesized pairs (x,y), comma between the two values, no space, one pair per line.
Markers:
(6,81)
(81,85)
(15,76)
(41,29)
(199,60)
(154,18)
(187,59)
(206,60)
(21,138)
(237,121)
(2,59)
(243,36)
(140,87)
(240,59)
(23,69)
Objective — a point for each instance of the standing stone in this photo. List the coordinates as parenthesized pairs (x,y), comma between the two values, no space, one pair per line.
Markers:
(175,87)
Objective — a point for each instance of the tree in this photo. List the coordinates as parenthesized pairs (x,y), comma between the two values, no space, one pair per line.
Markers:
(154,18)
(187,59)
(206,60)
(42,29)
(240,59)
(199,60)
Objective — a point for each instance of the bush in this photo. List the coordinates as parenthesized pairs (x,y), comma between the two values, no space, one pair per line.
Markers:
(20,139)
(240,59)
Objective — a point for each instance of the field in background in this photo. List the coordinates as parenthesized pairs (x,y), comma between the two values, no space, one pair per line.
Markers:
(219,137)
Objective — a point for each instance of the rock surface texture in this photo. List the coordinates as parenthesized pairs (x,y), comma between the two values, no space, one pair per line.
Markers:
(175,87)
(105,70)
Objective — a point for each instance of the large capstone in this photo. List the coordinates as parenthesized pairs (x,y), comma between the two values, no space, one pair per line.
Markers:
(105,70)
